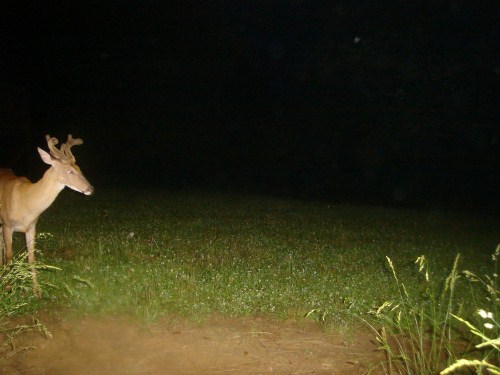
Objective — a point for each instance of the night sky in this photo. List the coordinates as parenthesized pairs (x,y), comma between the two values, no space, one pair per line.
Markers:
(349,101)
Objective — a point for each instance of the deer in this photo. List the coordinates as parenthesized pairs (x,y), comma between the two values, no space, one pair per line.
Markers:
(22,201)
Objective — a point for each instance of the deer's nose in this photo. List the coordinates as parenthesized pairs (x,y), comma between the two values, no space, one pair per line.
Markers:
(89,191)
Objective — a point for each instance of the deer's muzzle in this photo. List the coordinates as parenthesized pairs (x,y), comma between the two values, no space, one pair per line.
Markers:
(89,191)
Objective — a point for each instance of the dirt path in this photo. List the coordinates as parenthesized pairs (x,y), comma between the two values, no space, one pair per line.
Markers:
(95,346)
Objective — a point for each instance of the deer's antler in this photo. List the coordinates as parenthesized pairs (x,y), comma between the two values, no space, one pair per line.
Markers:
(52,142)
(65,152)
(66,147)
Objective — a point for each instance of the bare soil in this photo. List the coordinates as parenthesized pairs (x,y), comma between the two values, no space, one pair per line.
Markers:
(114,345)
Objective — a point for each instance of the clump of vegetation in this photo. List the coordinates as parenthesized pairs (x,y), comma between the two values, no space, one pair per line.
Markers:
(489,334)
(419,334)
(16,287)
(16,298)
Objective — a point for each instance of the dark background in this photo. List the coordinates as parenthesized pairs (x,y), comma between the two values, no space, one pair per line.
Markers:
(359,101)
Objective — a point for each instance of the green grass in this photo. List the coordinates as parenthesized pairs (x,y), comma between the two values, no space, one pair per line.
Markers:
(153,253)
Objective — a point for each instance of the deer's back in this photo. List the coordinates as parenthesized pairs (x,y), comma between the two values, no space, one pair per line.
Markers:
(7,180)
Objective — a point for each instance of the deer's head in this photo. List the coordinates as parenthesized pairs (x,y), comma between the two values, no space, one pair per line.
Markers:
(64,164)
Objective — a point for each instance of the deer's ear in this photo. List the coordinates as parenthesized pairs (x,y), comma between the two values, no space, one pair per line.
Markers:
(45,156)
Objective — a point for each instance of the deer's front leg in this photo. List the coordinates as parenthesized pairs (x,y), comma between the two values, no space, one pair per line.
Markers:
(2,246)
(30,243)
(7,243)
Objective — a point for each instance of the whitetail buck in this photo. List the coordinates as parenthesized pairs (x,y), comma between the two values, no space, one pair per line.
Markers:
(22,202)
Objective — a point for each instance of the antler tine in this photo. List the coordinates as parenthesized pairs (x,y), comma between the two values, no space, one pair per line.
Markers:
(52,142)
(66,147)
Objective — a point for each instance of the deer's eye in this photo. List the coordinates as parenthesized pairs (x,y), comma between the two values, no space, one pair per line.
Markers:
(69,171)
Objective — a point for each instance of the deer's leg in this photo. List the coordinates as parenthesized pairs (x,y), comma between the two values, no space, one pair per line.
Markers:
(7,242)
(30,243)
(2,246)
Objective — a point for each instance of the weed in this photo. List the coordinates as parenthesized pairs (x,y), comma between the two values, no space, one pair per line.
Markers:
(16,298)
(417,335)
(490,333)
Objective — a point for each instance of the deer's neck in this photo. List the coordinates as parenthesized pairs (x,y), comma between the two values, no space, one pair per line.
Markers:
(45,190)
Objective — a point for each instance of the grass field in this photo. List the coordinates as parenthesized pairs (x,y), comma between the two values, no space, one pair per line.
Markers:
(153,253)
